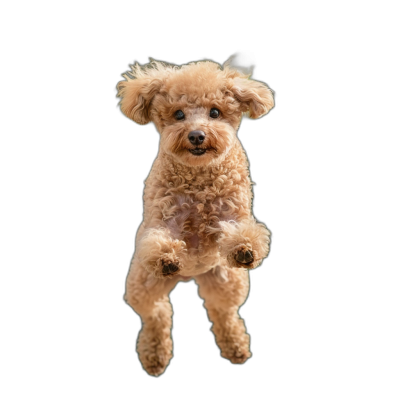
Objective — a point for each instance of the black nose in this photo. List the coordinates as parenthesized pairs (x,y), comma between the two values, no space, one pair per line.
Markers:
(196,137)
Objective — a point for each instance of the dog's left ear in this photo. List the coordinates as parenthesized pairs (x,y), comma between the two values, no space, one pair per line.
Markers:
(256,97)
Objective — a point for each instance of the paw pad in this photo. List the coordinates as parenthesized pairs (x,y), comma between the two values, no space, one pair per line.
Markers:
(169,269)
(244,256)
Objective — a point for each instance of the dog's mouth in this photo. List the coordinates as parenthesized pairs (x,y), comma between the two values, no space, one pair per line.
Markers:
(197,151)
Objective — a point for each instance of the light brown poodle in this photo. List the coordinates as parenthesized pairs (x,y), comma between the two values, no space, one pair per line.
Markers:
(198,219)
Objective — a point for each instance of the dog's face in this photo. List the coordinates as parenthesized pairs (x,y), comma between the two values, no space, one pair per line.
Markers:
(197,108)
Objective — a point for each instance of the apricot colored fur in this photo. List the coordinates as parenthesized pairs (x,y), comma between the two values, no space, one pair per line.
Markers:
(197,219)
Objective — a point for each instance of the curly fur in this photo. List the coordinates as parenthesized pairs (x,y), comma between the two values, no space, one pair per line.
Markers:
(197,208)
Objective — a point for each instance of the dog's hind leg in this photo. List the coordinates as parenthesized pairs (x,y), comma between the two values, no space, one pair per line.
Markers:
(148,296)
(224,290)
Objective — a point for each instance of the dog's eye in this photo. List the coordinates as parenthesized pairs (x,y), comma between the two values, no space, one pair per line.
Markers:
(214,113)
(179,115)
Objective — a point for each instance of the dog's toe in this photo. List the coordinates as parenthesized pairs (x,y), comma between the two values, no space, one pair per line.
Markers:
(248,257)
(240,256)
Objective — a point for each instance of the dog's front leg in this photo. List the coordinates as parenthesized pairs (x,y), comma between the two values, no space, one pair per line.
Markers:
(159,253)
(244,243)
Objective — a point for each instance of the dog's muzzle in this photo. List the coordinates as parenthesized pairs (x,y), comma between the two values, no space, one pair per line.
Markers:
(196,138)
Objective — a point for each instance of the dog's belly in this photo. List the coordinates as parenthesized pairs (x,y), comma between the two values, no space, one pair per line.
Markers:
(190,221)
(193,241)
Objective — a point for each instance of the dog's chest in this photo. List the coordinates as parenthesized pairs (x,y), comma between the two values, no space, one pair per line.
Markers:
(197,205)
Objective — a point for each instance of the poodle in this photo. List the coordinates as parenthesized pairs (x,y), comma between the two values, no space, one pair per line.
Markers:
(197,220)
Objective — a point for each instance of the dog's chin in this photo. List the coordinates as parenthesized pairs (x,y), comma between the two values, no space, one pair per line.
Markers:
(199,157)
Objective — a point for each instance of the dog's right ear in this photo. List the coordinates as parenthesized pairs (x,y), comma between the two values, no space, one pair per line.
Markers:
(137,92)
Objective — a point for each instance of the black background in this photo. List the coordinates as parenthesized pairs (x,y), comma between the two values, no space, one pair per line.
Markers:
(105,159)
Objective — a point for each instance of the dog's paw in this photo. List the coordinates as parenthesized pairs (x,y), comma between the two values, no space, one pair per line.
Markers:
(236,353)
(156,365)
(242,257)
(155,353)
(239,357)
(170,268)
(167,266)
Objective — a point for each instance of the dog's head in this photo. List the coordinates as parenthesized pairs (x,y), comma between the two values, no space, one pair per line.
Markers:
(196,107)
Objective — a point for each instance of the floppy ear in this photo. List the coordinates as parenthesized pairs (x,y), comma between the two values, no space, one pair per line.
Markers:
(136,93)
(256,97)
